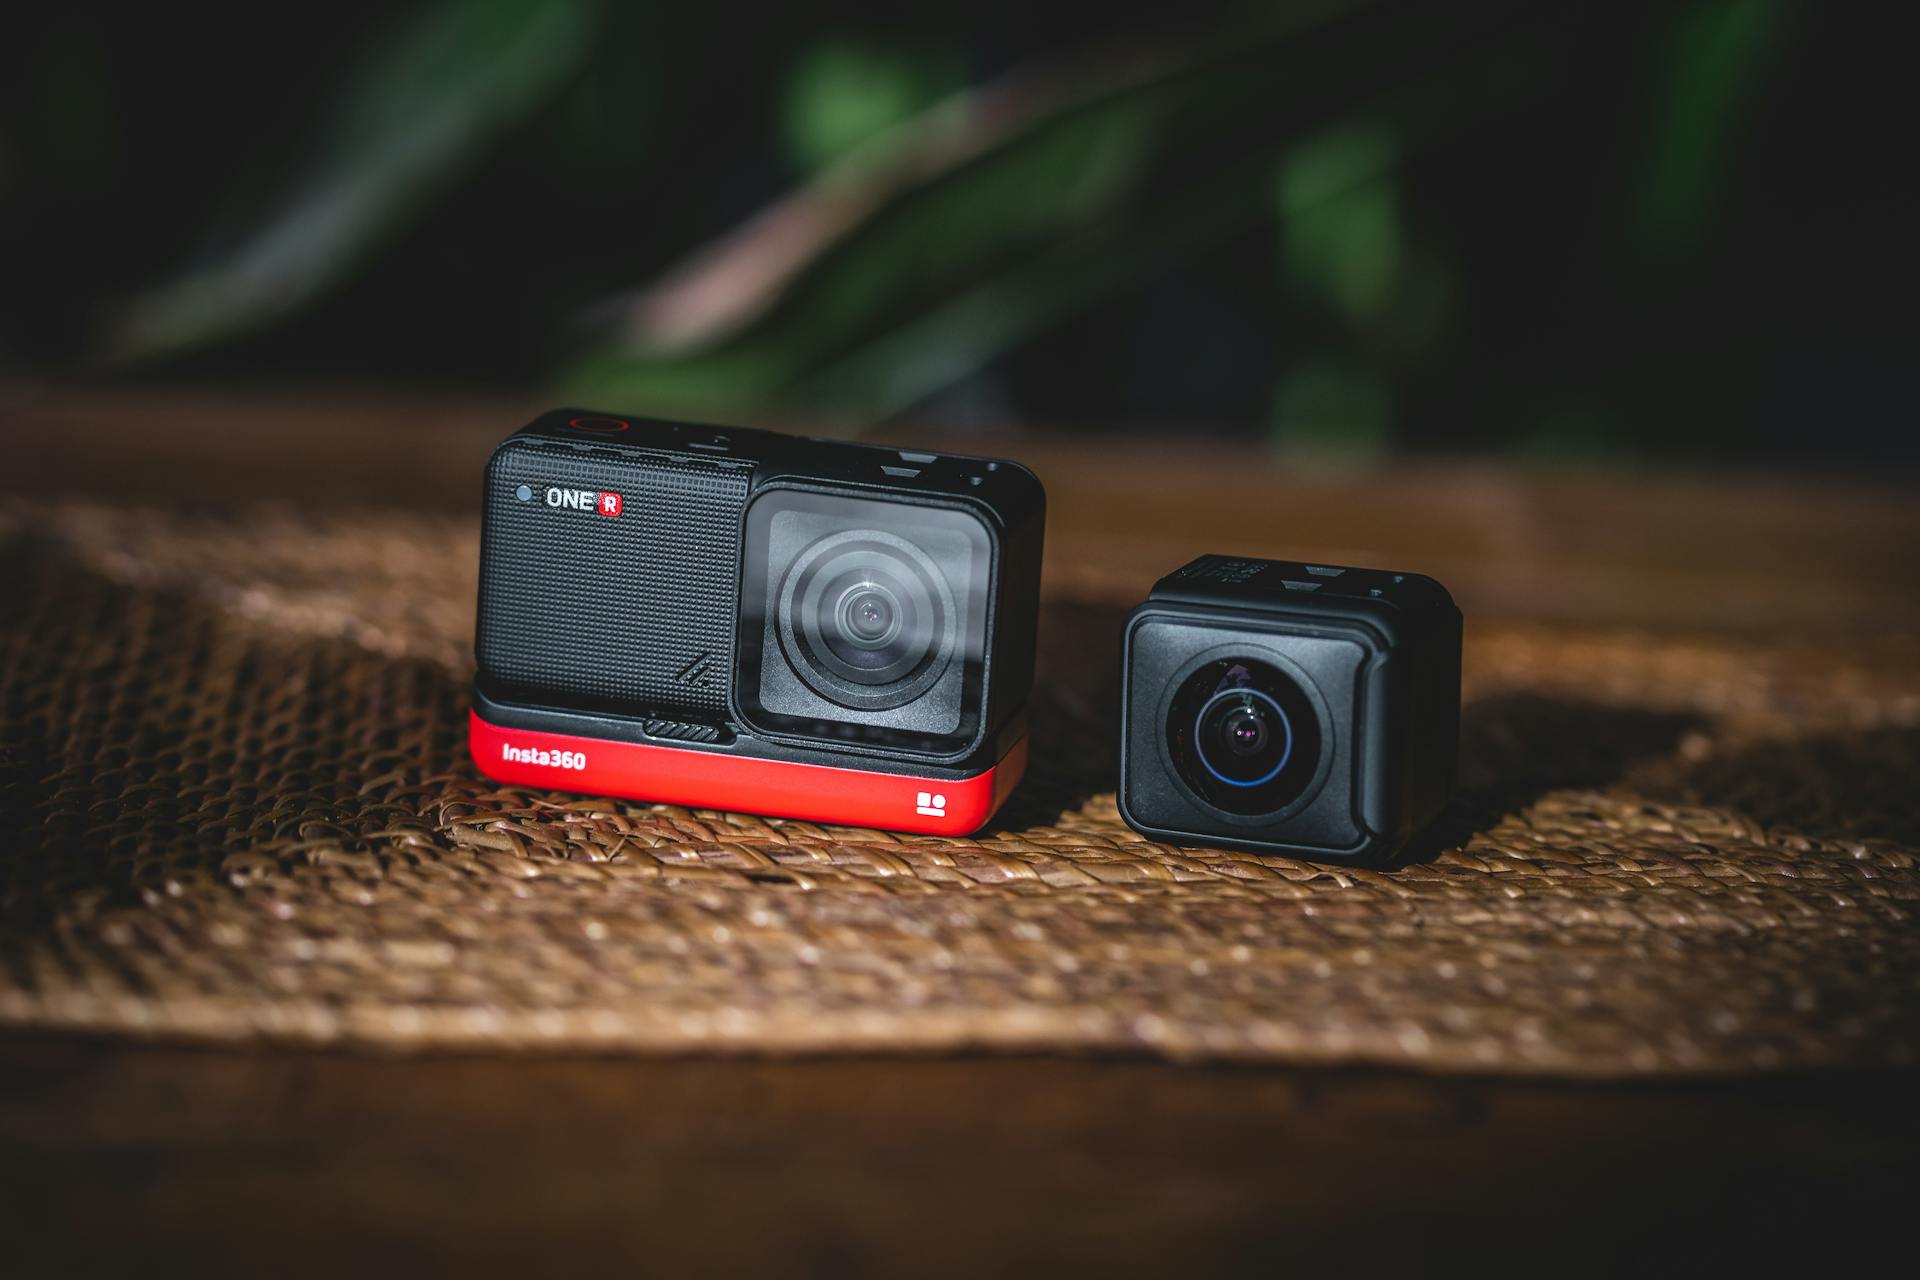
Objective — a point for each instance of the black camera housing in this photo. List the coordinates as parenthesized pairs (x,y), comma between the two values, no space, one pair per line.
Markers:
(741,619)
(1311,710)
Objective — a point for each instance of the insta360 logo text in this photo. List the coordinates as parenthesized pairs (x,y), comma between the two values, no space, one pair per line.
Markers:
(575,760)
(607,504)
(930,804)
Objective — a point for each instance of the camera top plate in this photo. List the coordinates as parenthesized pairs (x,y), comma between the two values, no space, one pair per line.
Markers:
(1388,602)
(1004,490)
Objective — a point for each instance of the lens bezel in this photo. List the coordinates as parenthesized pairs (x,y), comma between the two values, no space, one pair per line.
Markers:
(1283,791)
(772,698)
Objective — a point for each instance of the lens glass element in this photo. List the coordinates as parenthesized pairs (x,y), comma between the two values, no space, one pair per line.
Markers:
(869,614)
(1244,736)
(868,618)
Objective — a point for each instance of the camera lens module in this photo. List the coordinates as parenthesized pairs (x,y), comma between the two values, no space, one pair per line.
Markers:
(1302,709)
(866,619)
(1244,736)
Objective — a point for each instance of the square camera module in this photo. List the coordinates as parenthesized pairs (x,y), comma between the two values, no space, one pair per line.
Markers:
(1304,709)
(864,621)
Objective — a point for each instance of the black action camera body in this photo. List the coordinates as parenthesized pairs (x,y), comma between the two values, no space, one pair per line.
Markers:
(738,619)
(1290,708)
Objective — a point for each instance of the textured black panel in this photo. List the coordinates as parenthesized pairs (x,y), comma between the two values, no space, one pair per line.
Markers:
(635,610)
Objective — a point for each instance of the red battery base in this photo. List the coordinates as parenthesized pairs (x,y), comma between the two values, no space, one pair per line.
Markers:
(777,788)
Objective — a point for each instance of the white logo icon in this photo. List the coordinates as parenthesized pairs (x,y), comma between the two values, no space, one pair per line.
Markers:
(933,806)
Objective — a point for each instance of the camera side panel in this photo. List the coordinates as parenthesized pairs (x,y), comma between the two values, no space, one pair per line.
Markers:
(608,580)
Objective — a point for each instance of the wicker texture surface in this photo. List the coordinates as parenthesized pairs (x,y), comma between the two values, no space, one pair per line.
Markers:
(235,804)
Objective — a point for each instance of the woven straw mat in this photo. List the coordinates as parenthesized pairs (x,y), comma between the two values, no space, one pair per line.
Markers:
(236,806)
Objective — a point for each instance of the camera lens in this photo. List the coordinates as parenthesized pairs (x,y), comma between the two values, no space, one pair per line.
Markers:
(1244,736)
(870,614)
(867,619)
(1245,732)
(864,619)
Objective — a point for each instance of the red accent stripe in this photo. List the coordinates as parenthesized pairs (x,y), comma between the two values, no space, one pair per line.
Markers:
(708,780)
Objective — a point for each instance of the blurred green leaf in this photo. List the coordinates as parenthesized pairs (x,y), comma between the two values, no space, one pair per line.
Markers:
(844,93)
(996,210)
(1339,211)
(413,117)
(1011,201)
(735,380)
(921,255)
(1716,55)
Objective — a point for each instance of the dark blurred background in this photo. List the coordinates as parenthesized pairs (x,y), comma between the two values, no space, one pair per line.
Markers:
(1675,232)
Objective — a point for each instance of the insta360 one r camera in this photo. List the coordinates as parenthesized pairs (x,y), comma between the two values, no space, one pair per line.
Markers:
(743,620)
(1290,708)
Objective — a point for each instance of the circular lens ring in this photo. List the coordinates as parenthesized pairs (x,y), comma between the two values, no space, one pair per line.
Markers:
(1199,736)
(831,634)
(1314,742)
(802,585)
(816,619)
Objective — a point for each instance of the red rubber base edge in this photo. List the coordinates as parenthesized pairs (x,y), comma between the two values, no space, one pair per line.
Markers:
(778,788)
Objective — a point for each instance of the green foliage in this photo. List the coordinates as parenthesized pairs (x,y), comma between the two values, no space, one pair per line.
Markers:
(1339,213)
(936,223)
(843,93)
(1716,53)
(929,290)
(419,113)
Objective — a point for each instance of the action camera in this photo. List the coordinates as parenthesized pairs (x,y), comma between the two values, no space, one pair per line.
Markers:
(743,620)
(1303,709)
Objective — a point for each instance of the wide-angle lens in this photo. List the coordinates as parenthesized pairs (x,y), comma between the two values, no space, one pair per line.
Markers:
(1244,736)
(867,618)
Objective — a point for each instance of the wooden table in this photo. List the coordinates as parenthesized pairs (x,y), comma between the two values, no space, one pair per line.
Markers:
(113,1156)
(116,1155)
